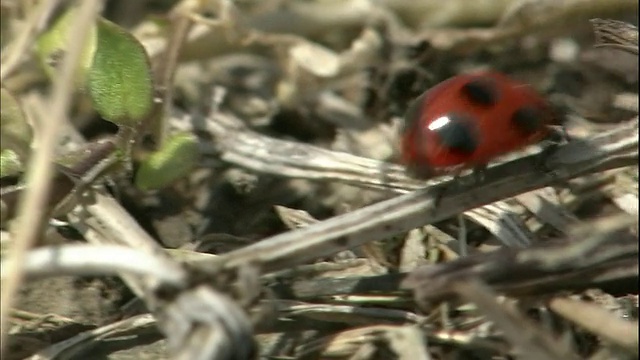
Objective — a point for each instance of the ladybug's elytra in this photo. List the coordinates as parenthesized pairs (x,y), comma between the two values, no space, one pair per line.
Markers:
(468,120)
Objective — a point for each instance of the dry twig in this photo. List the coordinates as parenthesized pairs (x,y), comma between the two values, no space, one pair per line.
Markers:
(38,176)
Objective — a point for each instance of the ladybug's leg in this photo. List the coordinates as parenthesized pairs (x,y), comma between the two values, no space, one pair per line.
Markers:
(545,154)
(477,175)
(479,172)
(557,136)
(437,197)
(425,172)
(439,193)
(541,165)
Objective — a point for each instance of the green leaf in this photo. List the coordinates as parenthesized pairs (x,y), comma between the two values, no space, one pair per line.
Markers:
(176,159)
(119,80)
(15,131)
(10,163)
(114,68)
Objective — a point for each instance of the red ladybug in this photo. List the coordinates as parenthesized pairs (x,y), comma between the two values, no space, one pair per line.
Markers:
(468,120)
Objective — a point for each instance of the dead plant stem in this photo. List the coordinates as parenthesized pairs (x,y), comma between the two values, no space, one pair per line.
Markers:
(40,169)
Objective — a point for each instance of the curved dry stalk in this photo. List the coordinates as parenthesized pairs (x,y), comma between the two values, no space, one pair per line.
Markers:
(86,260)
(40,169)
(202,324)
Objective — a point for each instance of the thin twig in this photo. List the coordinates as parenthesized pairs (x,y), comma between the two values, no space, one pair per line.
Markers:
(167,66)
(30,208)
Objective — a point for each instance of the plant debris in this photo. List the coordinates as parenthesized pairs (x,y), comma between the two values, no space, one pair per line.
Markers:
(233,188)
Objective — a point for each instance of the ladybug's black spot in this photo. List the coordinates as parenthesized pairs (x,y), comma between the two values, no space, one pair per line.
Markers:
(528,119)
(481,91)
(459,134)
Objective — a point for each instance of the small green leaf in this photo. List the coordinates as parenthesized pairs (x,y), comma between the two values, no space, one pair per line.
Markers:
(10,163)
(175,160)
(119,79)
(51,46)
(114,68)
(15,131)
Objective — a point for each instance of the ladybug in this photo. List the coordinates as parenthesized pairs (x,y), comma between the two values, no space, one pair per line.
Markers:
(468,120)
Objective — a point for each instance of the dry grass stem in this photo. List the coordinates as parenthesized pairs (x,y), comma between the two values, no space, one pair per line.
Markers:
(30,214)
